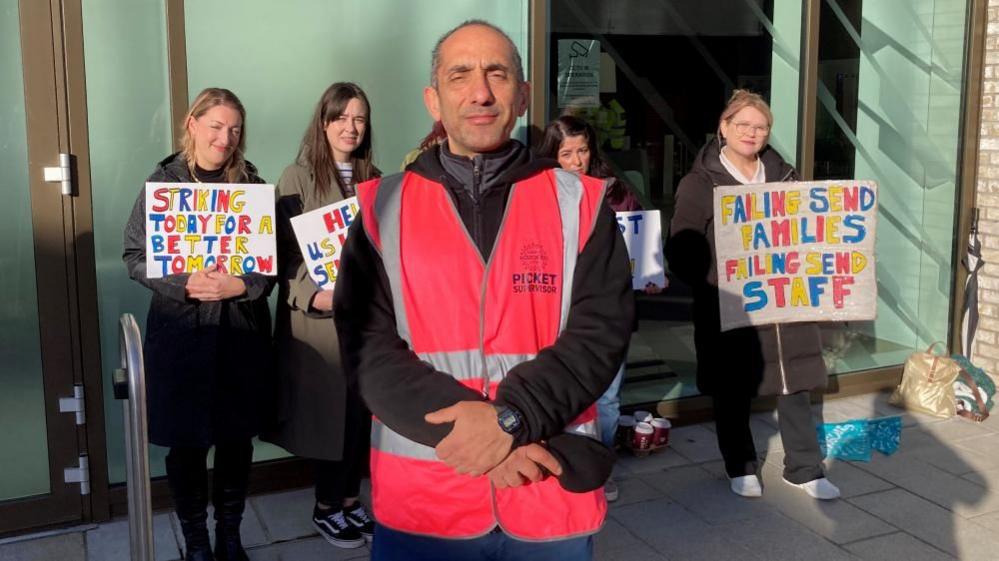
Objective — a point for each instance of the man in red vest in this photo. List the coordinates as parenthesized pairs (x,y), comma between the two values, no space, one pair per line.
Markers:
(484,304)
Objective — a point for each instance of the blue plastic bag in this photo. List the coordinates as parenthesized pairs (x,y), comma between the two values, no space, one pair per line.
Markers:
(848,440)
(886,433)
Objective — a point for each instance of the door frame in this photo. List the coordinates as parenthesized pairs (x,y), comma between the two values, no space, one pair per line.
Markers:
(64,258)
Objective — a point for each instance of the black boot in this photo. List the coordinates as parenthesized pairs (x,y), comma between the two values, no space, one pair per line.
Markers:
(232,472)
(188,480)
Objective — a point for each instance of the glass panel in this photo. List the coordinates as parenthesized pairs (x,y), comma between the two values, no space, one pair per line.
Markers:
(890,75)
(129,120)
(23,441)
(654,114)
(280,80)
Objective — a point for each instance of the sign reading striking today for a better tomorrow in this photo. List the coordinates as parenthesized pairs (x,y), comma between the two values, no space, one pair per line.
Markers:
(192,226)
(796,251)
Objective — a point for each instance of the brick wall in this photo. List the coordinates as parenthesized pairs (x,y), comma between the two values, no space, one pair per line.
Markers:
(986,352)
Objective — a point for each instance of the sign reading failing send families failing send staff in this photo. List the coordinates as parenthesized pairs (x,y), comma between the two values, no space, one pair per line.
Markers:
(796,251)
(192,226)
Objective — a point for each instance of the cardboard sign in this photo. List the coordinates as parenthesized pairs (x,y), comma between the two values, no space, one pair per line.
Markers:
(191,226)
(790,252)
(321,234)
(642,231)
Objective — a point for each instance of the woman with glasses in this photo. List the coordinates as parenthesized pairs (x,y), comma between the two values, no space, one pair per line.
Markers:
(734,366)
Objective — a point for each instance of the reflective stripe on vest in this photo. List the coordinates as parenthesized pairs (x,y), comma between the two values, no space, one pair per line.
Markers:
(476,321)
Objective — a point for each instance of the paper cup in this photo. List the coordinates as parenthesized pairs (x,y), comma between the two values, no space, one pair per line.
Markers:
(625,426)
(643,416)
(660,435)
(642,439)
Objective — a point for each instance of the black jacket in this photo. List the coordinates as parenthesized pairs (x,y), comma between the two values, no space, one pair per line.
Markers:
(764,360)
(206,362)
(549,391)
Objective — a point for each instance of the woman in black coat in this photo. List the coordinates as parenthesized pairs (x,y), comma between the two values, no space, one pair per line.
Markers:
(207,347)
(733,366)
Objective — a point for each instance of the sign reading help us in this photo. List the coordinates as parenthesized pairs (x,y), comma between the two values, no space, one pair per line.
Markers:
(796,251)
(321,234)
(192,226)
(642,233)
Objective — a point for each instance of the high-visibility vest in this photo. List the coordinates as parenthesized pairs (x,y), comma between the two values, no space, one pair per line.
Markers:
(475,320)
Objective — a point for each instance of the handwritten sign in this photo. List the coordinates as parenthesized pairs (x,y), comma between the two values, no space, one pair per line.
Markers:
(321,234)
(642,231)
(799,251)
(191,226)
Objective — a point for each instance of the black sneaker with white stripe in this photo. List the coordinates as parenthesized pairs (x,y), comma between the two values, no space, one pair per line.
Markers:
(334,527)
(358,517)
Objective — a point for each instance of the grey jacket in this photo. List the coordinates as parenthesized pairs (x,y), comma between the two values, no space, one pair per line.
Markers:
(312,389)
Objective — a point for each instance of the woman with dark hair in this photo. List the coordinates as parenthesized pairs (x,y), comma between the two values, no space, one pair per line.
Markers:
(573,142)
(734,366)
(207,347)
(319,414)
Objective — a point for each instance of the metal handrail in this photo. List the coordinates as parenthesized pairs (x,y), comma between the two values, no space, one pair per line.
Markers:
(130,386)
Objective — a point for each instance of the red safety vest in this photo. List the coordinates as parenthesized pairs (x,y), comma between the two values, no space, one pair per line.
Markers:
(475,321)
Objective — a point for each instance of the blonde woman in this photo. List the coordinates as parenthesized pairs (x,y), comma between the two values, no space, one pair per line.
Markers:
(734,366)
(207,347)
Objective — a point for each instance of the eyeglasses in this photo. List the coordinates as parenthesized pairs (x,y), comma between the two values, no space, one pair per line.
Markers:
(743,128)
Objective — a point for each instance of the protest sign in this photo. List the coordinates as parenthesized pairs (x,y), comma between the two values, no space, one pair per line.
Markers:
(796,251)
(321,234)
(642,231)
(191,226)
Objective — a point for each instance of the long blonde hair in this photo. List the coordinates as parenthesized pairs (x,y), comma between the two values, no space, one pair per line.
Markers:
(740,100)
(235,167)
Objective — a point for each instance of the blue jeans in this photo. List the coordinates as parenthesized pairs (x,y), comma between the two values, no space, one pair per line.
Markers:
(609,410)
(392,545)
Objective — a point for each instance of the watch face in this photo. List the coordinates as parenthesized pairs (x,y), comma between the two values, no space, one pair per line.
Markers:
(508,421)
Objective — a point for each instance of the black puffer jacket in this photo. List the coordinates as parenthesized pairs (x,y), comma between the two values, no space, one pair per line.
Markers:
(762,360)
(206,362)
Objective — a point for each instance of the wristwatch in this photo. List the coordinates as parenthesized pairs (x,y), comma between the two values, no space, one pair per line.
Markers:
(509,419)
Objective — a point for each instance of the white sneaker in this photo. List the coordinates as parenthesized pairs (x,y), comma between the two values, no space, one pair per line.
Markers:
(746,486)
(820,488)
(610,490)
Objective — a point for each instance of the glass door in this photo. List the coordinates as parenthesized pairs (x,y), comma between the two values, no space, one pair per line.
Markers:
(37,337)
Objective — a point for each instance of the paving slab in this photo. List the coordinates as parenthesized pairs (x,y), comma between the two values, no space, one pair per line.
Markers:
(894,547)
(615,543)
(677,535)
(310,549)
(286,516)
(634,490)
(956,429)
(951,492)
(853,480)
(837,520)
(931,523)
(780,537)
(110,541)
(695,443)
(705,495)
(63,547)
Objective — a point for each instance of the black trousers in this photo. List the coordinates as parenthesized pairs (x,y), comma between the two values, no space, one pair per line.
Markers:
(338,480)
(802,458)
